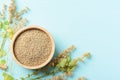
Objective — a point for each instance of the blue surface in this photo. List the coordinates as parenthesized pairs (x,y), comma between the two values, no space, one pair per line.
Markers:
(91,25)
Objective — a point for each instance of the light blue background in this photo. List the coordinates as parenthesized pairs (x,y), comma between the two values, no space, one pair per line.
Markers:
(91,25)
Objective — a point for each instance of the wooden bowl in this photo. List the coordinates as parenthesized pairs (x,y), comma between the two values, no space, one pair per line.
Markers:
(29,28)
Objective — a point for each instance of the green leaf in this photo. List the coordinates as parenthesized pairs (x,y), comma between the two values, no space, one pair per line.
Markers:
(68,58)
(5,27)
(2,53)
(74,62)
(3,65)
(6,22)
(7,76)
(22,78)
(10,32)
(62,62)
(0,25)
(2,62)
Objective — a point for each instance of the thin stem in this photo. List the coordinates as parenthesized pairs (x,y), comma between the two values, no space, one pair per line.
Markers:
(3,41)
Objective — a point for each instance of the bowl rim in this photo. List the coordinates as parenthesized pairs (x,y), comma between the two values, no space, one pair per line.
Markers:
(28,28)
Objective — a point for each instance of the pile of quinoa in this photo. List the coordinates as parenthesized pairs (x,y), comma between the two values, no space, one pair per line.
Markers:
(32,47)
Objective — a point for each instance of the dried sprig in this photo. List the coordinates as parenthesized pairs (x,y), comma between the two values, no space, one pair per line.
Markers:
(59,77)
(61,55)
(12,10)
(82,78)
(7,29)
(2,14)
(62,63)
(20,13)
(66,52)
(21,24)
